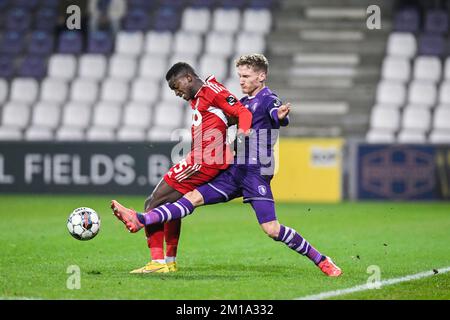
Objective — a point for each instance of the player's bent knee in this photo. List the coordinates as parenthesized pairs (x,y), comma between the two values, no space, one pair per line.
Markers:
(195,197)
(272,229)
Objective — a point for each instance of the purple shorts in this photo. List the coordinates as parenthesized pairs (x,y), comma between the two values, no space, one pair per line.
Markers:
(241,181)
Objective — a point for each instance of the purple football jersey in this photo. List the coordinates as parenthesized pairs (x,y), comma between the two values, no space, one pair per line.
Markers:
(265,124)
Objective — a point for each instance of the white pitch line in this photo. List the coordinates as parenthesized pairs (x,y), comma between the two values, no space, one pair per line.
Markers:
(370,286)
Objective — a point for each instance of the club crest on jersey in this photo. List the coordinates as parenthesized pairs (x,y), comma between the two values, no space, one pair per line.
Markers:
(277,103)
(262,190)
(231,100)
(196,118)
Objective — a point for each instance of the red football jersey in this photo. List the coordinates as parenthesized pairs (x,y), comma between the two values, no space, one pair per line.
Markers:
(211,105)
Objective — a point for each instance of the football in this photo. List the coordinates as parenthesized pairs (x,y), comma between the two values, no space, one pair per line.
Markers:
(83,223)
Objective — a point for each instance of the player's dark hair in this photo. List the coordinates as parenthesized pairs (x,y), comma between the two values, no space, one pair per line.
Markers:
(180,68)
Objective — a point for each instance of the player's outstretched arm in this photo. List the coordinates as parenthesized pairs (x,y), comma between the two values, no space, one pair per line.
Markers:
(283,111)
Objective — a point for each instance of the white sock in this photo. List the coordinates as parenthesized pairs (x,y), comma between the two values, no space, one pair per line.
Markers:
(170,259)
(162,261)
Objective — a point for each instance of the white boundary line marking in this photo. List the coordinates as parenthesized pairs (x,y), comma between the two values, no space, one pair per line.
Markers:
(370,286)
(19,298)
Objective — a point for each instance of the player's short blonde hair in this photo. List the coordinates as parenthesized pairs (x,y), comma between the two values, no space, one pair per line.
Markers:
(256,61)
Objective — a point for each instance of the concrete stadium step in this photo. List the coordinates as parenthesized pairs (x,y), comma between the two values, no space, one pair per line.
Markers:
(296,4)
(293,22)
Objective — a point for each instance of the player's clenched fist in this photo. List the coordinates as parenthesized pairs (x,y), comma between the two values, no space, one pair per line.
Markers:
(283,111)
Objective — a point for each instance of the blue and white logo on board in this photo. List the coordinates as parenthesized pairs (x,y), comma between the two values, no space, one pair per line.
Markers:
(262,190)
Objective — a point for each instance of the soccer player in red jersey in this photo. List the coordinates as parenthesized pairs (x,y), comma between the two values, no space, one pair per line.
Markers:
(212,105)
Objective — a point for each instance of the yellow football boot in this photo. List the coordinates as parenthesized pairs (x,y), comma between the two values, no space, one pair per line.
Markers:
(152,267)
(172,266)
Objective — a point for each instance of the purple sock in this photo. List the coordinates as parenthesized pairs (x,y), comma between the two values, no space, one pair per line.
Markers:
(167,212)
(296,242)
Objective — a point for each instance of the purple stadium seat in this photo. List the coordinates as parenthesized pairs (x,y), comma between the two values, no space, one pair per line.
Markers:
(18,19)
(100,42)
(145,5)
(26,4)
(136,20)
(166,19)
(261,4)
(70,42)
(232,3)
(6,66)
(436,21)
(4,4)
(173,3)
(33,66)
(407,20)
(431,44)
(49,3)
(12,43)
(46,19)
(41,42)
(201,3)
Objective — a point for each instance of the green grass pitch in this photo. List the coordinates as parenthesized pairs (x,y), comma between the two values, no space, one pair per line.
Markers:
(223,254)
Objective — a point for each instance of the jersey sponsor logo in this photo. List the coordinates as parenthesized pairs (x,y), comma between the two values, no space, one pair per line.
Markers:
(231,100)
(262,190)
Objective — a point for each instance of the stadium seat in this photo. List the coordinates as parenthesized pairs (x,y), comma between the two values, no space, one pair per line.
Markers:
(158,42)
(396,68)
(130,134)
(444,93)
(3,91)
(129,43)
(427,68)
(41,42)
(38,134)
(387,119)
(144,91)
(436,21)
(100,42)
(165,108)
(226,20)
(159,134)
(183,57)
(18,19)
(153,66)
(411,136)
(166,18)
(70,42)
(122,67)
(441,119)
(84,90)
(32,66)
(431,44)
(10,134)
(137,115)
(407,19)
(106,119)
(401,44)
(45,19)
(114,91)
(76,118)
(24,90)
(422,93)
(187,43)
(62,66)
(447,69)
(12,42)
(263,17)
(7,67)
(440,137)
(380,136)
(249,43)
(136,20)
(211,64)
(53,90)
(416,119)
(196,20)
(220,44)
(233,86)
(46,114)
(92,66)
(391,93)
(16,114)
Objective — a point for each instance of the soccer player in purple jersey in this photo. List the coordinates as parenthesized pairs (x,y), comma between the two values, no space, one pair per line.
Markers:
(250,175)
